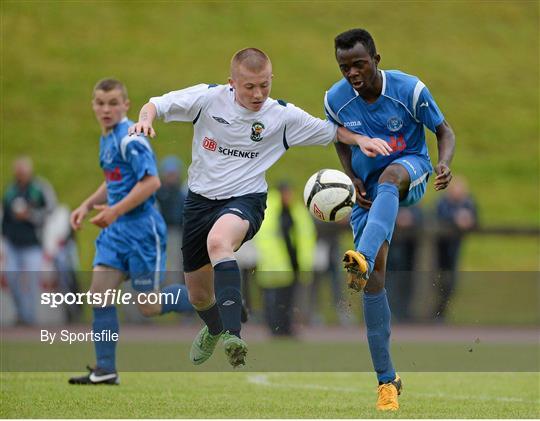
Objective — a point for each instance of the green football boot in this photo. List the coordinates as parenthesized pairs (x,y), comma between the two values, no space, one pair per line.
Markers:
(235,349)
(203,346)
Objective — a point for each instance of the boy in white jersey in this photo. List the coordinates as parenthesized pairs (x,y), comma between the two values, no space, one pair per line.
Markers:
(239,132)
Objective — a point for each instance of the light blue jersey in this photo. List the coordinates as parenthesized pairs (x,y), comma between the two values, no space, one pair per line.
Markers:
(136,242)
(397,116)
(125,160)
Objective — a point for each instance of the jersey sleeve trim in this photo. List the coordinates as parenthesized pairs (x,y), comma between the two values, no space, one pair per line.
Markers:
(128,139)
(329,109)
(416,95)
(158,255)
(198,115)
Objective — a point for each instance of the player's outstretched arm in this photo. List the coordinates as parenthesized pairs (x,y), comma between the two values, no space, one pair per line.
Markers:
(97,198)
(344,154)
(370,146)
(138,194)
(147,116)
(446,144)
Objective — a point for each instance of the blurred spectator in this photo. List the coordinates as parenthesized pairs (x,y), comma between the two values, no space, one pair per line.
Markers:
(61,253)
(457,214)
(401,260)
(285,245)
(170,197)
(327,267)
(27,202)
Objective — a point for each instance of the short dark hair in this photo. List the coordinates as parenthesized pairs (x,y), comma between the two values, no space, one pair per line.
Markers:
(110,84)
(348,39)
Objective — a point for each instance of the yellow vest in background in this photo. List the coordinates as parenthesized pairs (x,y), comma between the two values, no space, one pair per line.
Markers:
(274,265)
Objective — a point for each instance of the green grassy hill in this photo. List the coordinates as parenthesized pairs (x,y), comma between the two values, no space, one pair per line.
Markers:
(480,60)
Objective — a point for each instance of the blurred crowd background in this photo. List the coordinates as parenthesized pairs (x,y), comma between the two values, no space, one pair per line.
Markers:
(479,59)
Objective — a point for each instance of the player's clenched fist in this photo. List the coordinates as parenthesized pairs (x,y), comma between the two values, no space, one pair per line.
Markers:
(105,217)
(77,216)
(361,194)
(444,176)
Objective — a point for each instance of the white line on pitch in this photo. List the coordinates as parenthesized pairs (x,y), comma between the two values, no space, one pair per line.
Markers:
(264,380)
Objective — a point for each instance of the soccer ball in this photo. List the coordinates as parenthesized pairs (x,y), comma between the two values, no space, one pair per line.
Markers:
(329,195)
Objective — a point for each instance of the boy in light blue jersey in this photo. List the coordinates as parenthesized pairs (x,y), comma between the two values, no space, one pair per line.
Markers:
(395,107)
(133,240)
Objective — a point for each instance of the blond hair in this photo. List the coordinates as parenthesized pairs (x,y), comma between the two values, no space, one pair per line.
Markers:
(252,59)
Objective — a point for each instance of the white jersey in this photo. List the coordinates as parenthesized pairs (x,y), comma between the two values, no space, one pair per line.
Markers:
(233,146)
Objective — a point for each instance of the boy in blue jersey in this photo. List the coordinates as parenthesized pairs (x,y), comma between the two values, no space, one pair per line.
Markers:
(132,242)
(395,107)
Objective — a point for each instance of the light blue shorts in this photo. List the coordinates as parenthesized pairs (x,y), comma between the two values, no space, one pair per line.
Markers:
(419,169)
(135,246)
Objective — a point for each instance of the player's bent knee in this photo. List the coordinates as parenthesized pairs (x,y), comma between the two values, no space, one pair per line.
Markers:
(105,279)
(150,310)
(98,288)
(200,299)
(217,244)
(391,178)
(394,174)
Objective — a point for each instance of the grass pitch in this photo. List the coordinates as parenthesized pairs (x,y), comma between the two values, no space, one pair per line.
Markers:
(270,395)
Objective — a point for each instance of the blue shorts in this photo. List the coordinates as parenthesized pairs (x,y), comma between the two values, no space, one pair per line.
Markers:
(419,169)
(136,246)
(200,215)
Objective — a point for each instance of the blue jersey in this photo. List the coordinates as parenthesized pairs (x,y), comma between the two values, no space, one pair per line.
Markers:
(397,116)
(125,160)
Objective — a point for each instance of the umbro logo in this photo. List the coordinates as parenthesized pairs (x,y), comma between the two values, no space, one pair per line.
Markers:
(424,104)
(142,281)
(220,120)
(228,303)
(237,210)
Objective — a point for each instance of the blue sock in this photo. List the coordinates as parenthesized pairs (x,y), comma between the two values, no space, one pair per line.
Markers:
(105,318)
(227,283)
(177,299)
(377,319)
(381,219)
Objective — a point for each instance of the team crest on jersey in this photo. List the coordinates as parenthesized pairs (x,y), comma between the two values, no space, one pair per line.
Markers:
(394,124)
(108,158)
(256,131)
